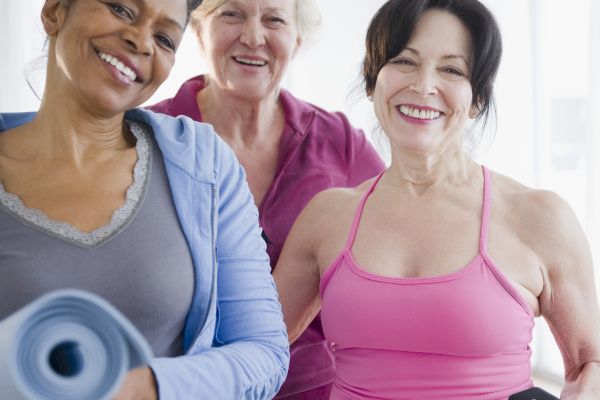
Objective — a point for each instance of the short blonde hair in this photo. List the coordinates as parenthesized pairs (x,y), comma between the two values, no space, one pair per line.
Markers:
(308,16)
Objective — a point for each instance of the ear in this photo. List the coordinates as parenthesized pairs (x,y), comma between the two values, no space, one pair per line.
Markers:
(474,111)
(53,16)
(197,29)
(298,45)
(199,41)
(370,95)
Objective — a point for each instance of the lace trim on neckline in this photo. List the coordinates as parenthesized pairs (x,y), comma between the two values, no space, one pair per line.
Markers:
(120,218)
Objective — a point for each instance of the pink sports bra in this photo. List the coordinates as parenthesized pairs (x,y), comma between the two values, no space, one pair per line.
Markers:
(462,336)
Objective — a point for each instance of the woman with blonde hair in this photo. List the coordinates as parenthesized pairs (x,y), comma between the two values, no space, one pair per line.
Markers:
(290,149)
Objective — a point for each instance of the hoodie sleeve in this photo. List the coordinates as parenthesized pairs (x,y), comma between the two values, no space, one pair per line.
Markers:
(12,120)
(250,354)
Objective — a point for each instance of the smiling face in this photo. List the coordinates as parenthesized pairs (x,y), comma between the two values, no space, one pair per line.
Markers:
(112,56)
(248,45)
(423,96)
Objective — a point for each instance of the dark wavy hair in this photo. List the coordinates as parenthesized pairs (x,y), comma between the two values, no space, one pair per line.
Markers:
(392,26)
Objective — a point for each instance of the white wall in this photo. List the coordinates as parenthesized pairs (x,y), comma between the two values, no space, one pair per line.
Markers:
(21,42)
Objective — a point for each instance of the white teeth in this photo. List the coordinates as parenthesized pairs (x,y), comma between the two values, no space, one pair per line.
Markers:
(419,114)
(250,62)
(128,72)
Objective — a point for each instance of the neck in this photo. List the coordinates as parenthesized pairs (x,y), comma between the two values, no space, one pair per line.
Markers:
(417,173)
(70,127)
(64,129)
(242,122)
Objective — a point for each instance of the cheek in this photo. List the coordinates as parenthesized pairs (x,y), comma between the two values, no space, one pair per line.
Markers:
(283,45)
(218,39)
(382,94)
(468,100)
(381,107)
(163,68)
(463,97)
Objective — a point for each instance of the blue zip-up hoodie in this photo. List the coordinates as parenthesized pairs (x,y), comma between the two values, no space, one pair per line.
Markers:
(235,341)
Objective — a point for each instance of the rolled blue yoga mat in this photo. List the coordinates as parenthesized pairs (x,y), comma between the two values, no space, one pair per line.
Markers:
(67,345)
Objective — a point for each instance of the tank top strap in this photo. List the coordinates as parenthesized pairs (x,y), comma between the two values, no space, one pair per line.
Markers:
(359,211)
(485,214)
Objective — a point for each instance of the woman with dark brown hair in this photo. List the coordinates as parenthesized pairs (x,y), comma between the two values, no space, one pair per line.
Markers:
(429,276)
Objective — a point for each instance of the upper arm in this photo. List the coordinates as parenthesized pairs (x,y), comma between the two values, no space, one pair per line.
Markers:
(297,273)
(568,300)
(247,299)
(251,353)
(250,328)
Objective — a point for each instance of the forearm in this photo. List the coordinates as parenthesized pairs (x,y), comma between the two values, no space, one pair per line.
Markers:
(297,327)
(244,370)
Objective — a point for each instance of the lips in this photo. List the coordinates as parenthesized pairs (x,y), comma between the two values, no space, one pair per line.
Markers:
(422,113)
(250,61)
(125,68)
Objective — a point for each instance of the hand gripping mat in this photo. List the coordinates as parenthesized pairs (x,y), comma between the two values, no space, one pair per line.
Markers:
(67,345)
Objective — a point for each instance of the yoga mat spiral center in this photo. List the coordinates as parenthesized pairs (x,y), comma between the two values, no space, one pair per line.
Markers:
(66,359)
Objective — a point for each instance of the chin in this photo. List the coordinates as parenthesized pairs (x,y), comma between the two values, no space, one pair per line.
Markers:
(107,101)
(251,92)
(251,96)
(109,106)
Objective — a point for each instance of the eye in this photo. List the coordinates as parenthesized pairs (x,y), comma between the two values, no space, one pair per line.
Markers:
(403,61)
(453,71)
(274,22)
(404,64)
(120,10)
(165,41)
(230,16)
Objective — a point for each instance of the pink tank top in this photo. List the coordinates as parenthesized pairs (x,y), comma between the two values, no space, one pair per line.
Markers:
(462,336)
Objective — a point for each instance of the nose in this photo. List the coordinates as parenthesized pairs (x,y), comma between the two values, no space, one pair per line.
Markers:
(424,83)
(253,34)
(139,40)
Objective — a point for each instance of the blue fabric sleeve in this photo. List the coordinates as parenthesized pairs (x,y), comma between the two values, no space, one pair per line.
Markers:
(12,120)
(250,356)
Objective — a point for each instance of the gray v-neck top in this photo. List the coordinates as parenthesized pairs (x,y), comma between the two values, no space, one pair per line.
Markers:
(139,261)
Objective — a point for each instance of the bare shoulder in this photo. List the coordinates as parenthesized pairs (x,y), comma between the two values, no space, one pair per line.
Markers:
(328,216)
(530,205)
(332,203)
(13,151)
(16,143)
(543,220)
(6,141)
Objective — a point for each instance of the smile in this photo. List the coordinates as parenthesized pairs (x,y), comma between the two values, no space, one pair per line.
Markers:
(249,61)
(119,65)
(419,113)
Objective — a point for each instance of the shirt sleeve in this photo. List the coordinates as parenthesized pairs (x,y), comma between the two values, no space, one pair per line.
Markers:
(363,161)
(250,356)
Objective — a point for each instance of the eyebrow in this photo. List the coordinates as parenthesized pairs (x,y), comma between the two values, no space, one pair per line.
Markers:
(444,57)
(238,3)
(167,20)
